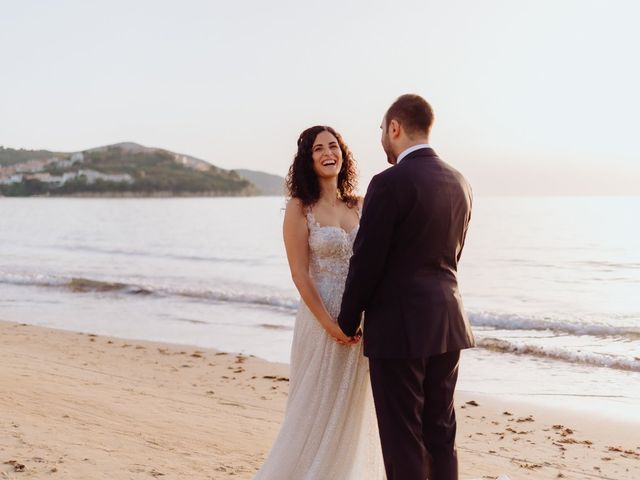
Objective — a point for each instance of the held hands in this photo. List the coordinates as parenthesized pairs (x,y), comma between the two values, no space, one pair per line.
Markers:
(338,335)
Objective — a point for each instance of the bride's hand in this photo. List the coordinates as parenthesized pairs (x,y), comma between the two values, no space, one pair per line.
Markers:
(337,334)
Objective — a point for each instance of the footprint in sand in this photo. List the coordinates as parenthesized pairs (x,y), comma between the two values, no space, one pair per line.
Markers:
(17,466)
(525,419)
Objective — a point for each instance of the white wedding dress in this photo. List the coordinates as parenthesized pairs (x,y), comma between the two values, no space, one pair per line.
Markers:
(329,430)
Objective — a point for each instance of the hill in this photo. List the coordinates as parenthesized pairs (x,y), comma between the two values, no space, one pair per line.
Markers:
(267,183)
(122,169)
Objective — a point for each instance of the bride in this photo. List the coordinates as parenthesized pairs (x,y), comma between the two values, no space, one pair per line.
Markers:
(329,429)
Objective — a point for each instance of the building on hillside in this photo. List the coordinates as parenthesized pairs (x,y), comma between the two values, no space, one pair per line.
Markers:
(11,179)
(73,159)
(8,170)
(31,166)
(92,176)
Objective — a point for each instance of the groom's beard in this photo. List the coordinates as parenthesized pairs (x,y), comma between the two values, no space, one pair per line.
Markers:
(391,157)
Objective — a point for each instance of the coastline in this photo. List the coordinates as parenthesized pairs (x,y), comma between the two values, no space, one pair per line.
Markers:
(156,194)
(78,405)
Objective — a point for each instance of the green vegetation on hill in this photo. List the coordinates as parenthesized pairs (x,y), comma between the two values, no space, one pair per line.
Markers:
(158,171)
(11,156)
(153,171)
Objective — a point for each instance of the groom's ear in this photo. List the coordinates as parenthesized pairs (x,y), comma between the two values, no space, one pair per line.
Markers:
(394,128)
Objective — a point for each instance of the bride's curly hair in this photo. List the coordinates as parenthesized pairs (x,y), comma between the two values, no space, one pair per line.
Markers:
(302,181)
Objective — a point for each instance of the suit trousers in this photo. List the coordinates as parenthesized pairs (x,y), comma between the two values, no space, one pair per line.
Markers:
(416,416)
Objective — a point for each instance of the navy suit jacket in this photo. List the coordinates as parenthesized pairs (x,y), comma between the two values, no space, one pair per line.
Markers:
(403,272)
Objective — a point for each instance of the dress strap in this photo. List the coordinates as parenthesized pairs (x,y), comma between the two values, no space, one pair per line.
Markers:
(311,220)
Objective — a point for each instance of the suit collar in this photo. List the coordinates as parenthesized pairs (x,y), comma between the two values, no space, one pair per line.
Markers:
(411,149)
(423,152)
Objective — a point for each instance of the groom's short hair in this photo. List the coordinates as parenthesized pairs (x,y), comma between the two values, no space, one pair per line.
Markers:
(412,112)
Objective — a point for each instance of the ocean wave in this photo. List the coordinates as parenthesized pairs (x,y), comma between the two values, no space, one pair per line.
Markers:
(518,322)
(35,280)
(260,296)
(74,284)
(607,265)
(264,296)
(561,354)
(264,299)
(84,285)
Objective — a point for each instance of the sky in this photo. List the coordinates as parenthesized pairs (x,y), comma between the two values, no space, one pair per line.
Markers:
(531,97)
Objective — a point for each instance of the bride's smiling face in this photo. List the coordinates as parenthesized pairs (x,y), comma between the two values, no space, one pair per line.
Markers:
(326,155)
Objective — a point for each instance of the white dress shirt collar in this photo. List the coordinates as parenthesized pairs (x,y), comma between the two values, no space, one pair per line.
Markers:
(411,150)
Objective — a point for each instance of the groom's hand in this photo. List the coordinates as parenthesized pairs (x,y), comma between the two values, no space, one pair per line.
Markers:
(357,337)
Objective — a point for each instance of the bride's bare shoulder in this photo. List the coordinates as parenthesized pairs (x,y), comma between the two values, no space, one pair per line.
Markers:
(295,224)
(295,208)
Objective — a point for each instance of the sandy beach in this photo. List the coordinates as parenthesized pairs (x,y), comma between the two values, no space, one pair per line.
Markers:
(81,406)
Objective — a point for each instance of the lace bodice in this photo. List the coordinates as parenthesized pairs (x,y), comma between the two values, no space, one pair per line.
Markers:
(330,249)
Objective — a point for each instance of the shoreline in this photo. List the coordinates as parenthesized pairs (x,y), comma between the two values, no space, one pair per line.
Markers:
(516,378)
(77,405)
(137,195)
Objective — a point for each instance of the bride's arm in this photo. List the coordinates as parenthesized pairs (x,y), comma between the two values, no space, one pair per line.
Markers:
(296,242)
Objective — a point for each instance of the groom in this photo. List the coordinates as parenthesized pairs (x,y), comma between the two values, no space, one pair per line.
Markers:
(403,276)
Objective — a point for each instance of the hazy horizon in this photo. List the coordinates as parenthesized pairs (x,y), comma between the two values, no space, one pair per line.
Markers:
(530,99)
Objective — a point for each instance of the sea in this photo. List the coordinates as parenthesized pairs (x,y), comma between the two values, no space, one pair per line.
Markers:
(551,285)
